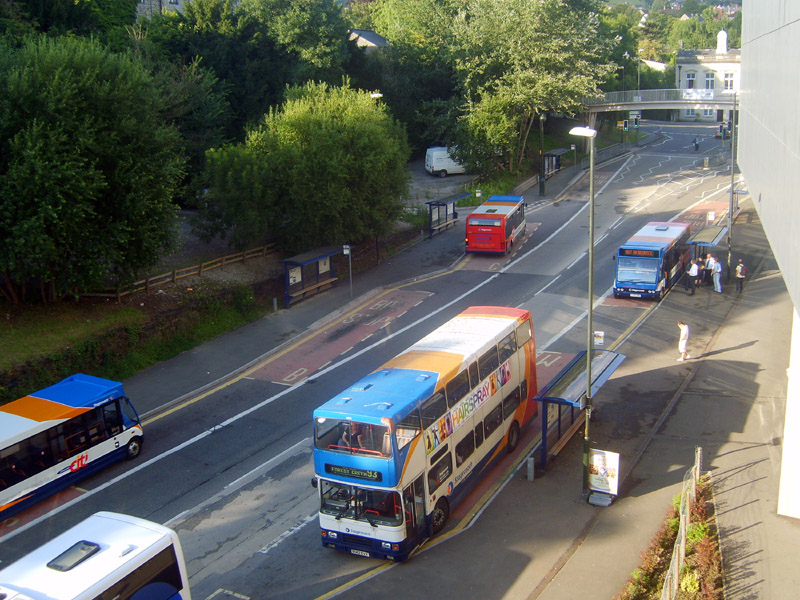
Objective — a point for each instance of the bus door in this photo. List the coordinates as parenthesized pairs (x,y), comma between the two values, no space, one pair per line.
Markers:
(414,502)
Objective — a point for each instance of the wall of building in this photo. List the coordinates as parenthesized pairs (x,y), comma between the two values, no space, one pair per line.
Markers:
(769,158)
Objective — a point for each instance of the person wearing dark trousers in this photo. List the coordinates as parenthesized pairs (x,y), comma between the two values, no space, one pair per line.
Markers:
(691,276)
(741,273)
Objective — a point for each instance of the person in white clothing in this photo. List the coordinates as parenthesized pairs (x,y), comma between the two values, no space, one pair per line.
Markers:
(683,340)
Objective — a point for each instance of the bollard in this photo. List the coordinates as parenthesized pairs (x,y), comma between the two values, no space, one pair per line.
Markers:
(531,462)
(705,161)
(274,305)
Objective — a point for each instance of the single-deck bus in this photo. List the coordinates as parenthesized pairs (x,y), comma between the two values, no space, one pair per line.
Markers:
(651,261)
(105,557)
(496,224)
(396,451)
(52,438)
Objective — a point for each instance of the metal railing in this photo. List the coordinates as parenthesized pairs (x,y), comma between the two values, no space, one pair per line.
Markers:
(661,96)
(688,495)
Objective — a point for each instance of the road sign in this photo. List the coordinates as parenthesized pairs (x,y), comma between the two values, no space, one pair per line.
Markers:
(635,113)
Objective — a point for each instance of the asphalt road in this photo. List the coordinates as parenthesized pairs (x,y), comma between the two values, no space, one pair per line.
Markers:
(231,470)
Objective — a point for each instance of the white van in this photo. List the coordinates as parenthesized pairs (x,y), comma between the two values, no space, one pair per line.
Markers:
(439,162)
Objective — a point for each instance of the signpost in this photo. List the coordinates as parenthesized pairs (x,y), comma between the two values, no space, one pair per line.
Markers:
(346,251)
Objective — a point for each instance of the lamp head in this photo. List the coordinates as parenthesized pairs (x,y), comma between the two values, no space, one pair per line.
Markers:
(587,132)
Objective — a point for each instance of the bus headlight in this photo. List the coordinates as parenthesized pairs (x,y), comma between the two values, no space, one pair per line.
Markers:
(386,545)
(331,535)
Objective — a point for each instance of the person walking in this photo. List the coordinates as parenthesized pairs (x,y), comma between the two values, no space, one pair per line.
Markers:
(683,340)
(691,276)
(716,274)
(741,273)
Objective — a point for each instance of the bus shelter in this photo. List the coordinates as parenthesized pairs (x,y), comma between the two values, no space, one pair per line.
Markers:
(442,214)
(564,398)
(309,273)
(552,161)
(707,237)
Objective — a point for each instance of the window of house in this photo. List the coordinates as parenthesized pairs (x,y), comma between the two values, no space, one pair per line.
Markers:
(709,81)
(709,112)
(690,81)
(689,113)
(728,81)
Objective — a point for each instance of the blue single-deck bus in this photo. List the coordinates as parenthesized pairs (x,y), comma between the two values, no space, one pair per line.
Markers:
(55,437)
(651,261)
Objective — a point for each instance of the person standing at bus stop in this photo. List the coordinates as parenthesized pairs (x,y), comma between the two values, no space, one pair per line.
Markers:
(716,275)
(683,340)
(691,276)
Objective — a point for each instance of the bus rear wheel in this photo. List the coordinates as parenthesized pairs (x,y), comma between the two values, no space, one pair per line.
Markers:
(134,447)
(441,513)
(513,437)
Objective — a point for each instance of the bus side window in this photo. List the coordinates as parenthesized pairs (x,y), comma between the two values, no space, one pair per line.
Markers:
(439,473)
(457,388)
(112,418)
(408,429)
(465,448)
(488,362)
(523,334)
(507,347)
(493,420)
(433,409)
(474,380)
(510,403)
(479,435)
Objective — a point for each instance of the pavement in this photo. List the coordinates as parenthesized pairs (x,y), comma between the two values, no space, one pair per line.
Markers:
(538,539)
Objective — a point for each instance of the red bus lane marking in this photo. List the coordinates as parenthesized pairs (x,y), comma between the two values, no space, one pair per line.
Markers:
(697,216)
(548,365)
(333,341)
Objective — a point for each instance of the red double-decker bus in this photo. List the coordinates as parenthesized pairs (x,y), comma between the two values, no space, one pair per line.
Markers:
(496,225)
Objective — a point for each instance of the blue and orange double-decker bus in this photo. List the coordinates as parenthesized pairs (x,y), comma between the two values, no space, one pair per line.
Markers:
(396,451)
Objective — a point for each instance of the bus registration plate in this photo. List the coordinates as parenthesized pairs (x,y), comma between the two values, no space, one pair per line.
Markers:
(635,295)
(359,553)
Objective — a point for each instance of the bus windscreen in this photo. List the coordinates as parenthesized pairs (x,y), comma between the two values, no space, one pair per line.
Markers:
(637,270)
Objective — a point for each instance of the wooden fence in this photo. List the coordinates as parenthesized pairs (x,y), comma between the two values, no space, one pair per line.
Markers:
(149,283)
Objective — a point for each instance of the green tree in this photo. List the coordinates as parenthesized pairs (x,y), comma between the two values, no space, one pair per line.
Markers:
(327,167)
(88,168)
(519,59)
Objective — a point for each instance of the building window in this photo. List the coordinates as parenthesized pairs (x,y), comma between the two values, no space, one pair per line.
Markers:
(689,113)
(709,81)
(728,81)
(690,81)
(709,113)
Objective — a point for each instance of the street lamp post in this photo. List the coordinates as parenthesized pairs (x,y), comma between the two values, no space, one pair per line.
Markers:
(542,119)
(574,149)
(731,204)
(625,58)
(589,133)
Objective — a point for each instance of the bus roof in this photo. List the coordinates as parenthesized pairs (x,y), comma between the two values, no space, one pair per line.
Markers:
(657,234)
(417,372)
(121,538)
(64,400)
(498,205)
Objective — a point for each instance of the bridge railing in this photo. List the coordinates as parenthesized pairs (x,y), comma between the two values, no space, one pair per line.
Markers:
(655,96)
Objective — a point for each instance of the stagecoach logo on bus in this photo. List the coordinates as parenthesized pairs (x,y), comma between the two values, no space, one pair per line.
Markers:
(452,420)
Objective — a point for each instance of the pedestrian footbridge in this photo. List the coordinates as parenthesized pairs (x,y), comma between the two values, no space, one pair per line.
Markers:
(697,99)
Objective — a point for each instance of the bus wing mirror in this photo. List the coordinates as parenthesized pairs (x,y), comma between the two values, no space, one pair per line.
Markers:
(314,482)
(613,257)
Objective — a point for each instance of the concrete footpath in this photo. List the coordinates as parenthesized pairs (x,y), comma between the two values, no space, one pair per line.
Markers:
(538,539)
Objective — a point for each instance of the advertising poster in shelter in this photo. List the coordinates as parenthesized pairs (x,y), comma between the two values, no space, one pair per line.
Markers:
(603,471)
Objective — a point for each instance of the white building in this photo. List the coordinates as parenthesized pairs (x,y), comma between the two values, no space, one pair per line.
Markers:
(769,157)
(708,73)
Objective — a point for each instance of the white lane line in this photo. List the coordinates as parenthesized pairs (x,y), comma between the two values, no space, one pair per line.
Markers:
(548,285)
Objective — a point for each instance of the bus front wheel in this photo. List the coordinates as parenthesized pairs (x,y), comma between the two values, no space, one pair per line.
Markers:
(513,437)
(441,513)
(134,447)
